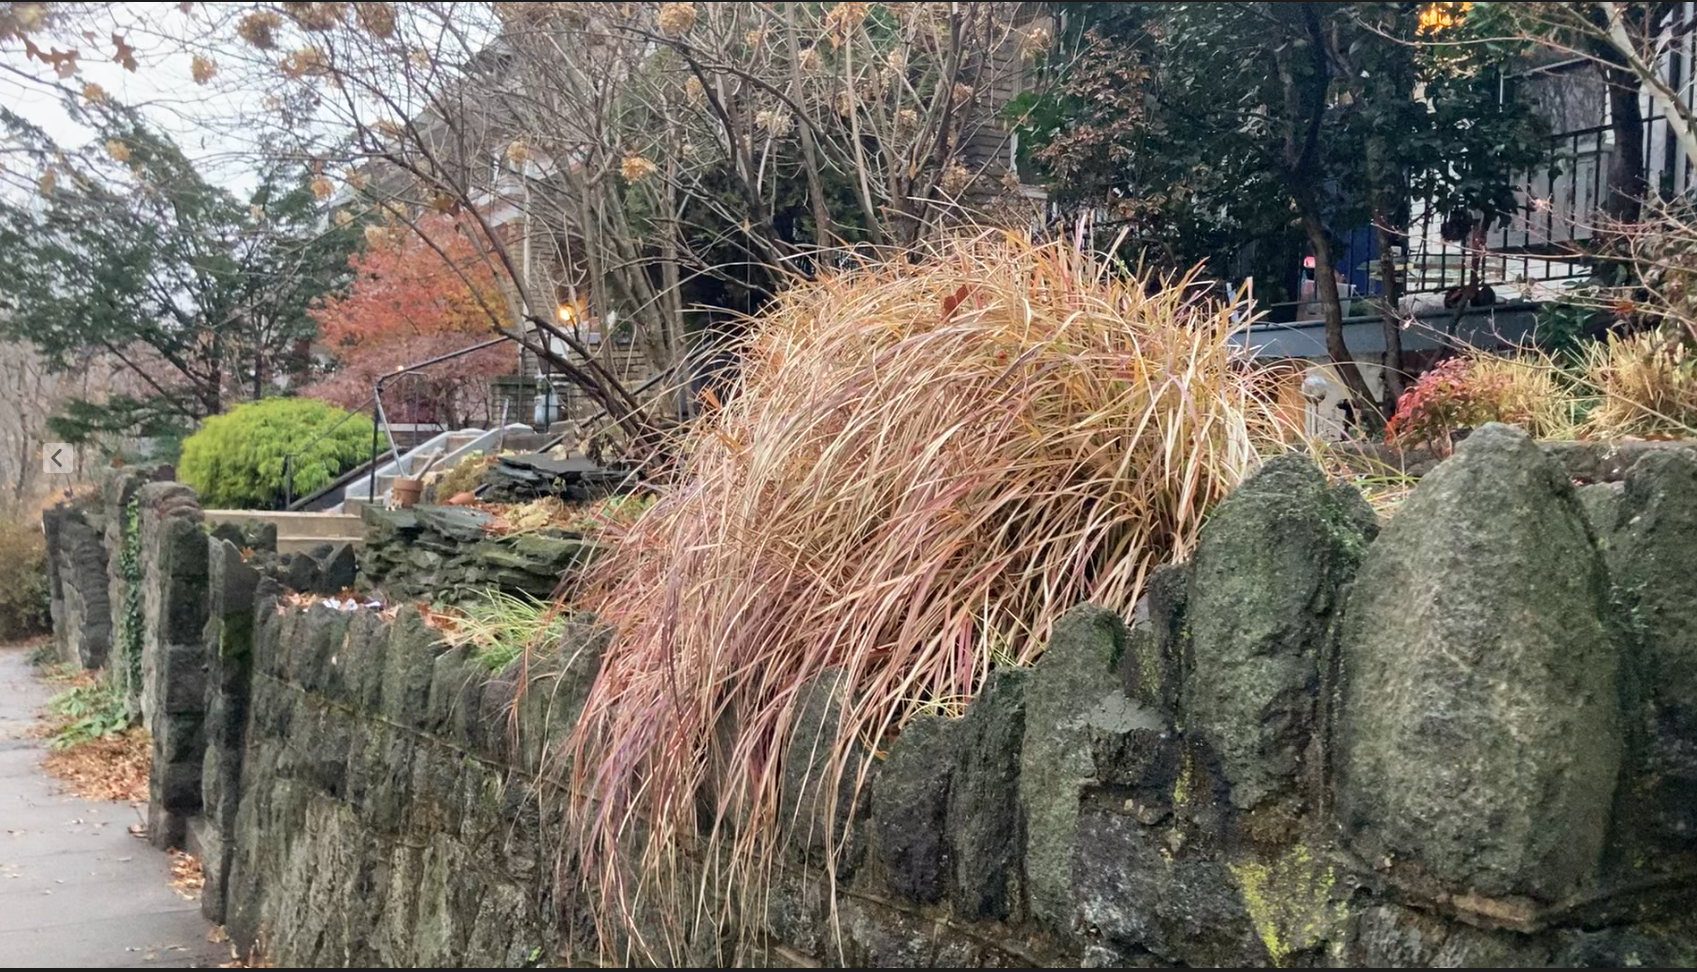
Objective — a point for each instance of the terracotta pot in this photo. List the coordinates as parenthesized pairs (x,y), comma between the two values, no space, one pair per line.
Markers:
(405,491)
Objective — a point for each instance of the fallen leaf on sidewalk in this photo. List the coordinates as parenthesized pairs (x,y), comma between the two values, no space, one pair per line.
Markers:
(112,767)
(186,876)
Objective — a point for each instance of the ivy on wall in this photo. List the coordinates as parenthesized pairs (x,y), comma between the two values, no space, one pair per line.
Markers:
(127,636)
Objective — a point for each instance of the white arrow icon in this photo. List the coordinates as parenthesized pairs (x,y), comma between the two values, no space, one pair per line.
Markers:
(57,458)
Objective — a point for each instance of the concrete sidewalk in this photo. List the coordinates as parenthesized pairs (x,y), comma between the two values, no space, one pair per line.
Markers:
(76,889)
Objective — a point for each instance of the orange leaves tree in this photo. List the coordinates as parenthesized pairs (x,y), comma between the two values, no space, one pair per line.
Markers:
(416,293)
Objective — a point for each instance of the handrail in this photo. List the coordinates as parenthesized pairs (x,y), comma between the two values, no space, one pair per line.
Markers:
(379,419)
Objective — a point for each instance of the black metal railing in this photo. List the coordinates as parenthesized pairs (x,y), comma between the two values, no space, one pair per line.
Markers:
(379,419)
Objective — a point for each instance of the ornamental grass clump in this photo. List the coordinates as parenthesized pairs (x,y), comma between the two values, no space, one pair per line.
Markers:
(926,464)
(1645,384)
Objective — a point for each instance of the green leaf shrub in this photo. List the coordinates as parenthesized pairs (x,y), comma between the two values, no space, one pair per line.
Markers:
(236,459)
(88,712)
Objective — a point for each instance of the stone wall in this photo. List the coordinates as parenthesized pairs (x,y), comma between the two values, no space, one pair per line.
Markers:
(1463,737)
(1583,462)
(174,557)
(1468,738)
(446,553)
(387,817)
(77,583)
(96,606)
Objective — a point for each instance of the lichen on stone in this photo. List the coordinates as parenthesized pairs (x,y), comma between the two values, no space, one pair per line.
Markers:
(1290,901)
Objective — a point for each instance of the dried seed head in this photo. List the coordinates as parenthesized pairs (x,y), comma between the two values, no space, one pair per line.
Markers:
(675,19)
(635,168)
(259,29)
(378,19)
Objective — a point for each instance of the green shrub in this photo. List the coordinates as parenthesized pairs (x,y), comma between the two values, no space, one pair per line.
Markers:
(87,712)
(236,459)
(23,580)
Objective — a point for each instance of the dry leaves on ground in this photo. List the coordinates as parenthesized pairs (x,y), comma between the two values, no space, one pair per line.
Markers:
(186,876)
(68,675)
(111,767)
(547,511)
(255,957)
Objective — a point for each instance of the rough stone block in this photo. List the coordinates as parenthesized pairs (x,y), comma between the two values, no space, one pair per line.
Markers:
(559,686)
(79,587)
(1264,586)
(1134,896)
(453,672)
(1072,694)
(1390,936)
(532,706)
(984,815)
(1603,504)
(182,567)
(385,526)
(367,661)
(233,587)
(214,866)
(301,573)
(173,800)
(910,806)
(183,680)
(496,710)
(1480,737)
(882,938)
(337,569)
(409,666)
(268,624)
(387,787)
(344,664)
(1650,556)
(1153,664)
(817,805)
(179,737)
(457,523)
(320,634)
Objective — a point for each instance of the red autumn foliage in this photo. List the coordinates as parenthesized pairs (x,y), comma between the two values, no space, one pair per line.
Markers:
(415,295)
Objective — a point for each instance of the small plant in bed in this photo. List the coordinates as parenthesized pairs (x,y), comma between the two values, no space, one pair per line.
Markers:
(91,709)
(501,626)
(92,745)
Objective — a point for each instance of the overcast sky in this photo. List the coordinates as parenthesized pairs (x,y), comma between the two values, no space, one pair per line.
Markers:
(205,120)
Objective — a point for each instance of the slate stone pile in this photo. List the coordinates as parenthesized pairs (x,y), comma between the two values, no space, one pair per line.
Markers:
(447,554)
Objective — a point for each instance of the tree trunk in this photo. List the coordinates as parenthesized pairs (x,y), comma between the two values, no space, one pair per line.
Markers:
(1385,188)
(1331,311)
(212,391)
(823,230)
(1390,313)
(1626,187)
